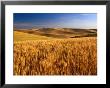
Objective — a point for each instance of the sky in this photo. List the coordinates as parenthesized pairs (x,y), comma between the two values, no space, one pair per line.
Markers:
(55,20)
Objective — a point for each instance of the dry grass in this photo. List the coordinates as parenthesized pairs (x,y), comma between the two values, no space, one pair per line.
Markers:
(20,36)
(77,56)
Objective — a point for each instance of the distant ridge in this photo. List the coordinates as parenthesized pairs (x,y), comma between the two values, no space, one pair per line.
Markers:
(60,32)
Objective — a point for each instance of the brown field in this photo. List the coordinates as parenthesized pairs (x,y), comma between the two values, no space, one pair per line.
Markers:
(71,56)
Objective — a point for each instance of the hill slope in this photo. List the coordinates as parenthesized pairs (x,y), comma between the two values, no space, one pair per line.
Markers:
(47,33)
(21,36)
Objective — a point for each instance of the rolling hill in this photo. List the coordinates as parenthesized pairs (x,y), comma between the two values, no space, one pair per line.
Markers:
(50,33)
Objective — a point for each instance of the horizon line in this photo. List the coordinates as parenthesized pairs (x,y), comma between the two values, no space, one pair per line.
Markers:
(50,27)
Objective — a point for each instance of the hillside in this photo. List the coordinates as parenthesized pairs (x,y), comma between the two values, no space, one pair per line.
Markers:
(21,36)
(47,33)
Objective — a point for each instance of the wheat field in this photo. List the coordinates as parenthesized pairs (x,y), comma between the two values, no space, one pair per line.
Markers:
(74,56)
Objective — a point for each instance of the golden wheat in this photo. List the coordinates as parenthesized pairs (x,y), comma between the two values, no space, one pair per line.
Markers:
(76,56)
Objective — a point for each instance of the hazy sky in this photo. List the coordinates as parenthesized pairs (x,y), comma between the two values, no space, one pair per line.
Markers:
(58,20)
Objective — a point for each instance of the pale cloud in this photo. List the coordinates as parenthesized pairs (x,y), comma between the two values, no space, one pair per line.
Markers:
(86,14)
(22,24)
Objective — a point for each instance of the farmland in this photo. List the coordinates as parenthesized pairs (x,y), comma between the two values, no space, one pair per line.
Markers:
(55,52)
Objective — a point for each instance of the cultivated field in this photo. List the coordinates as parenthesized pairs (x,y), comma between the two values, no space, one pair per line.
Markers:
(42,55)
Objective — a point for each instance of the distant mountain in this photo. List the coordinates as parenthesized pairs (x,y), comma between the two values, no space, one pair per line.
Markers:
(60,32)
